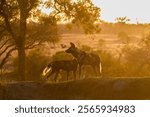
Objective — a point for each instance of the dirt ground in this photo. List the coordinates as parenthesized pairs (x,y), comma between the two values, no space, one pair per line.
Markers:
(85,89)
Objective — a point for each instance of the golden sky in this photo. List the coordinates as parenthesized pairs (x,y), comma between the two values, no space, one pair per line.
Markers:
(133,9)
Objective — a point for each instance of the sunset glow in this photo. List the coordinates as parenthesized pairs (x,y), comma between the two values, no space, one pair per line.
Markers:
(135,10)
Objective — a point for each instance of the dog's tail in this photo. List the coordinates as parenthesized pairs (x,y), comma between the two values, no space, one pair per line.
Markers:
(100,68)
(46,70)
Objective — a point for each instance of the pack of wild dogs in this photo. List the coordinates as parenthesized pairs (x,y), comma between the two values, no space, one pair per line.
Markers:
(81,58)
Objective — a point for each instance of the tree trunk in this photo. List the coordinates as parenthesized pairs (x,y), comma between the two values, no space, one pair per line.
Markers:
(21,63)
(21,40)
(1,69)
(21,52)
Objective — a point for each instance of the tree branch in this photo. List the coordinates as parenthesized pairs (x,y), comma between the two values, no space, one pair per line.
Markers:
(4,60)
(4,44)
(6,49)
(33,45)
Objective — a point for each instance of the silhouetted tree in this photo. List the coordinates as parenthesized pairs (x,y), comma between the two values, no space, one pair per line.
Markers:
(12,12)
(122,20)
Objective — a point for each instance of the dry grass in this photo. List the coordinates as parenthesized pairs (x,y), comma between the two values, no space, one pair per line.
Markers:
(111,42)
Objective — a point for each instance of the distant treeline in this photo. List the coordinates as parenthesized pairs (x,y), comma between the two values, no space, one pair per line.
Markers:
(108,28)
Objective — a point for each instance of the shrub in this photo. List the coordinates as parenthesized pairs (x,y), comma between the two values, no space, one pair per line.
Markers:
(61,55)
(137,62)
(123,37)
(35,62)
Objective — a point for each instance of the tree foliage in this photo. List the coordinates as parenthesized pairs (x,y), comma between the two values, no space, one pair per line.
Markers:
(80,12)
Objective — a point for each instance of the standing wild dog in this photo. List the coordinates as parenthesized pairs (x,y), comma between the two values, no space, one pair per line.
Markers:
(66,65)
(85,59)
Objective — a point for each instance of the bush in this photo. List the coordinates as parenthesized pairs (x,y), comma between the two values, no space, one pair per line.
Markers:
(137,62)
(61,55)
(123,36)
(35,62)
(110,64)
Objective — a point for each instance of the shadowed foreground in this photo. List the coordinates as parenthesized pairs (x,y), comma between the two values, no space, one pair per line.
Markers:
(104,88)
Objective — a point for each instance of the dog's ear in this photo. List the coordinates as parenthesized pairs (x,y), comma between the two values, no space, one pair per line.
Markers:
(72,44)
